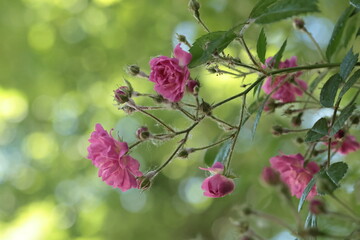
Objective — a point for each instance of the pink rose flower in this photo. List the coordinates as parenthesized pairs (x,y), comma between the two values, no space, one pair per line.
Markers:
(107,154)
(217,185)
(345,144)
(286,92)
(294,174)
(171,75)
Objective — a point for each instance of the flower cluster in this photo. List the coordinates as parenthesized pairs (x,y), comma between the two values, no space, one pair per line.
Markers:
(294,173)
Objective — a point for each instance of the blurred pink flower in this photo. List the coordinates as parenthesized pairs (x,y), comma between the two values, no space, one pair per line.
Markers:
(286,92)
(270,176)
(171,75)
(107,154)
(345,144)
(294,174)
(217,185)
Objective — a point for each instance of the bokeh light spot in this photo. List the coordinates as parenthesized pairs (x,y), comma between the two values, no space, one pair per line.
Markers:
(41,146)
(41,37)
(13,105)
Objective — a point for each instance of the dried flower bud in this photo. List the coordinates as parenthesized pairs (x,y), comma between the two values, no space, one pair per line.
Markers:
(133,70)
(299,140)
(299,23)
(122,94)
(270,176)
(317,206)
(128,109)
(205,108)
(277,130)
(143,133)
(246,210)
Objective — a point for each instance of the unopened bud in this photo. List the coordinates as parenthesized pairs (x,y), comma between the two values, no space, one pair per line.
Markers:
(184,153)
(193,86)
(133,70)
(122,94)
(205,108)
(270,106)
(181,38)
(270,176)
(194,5)
(146,180)
(317,206)
(246,210)
(299,23)
(299,140)
(142,133)
(277,130)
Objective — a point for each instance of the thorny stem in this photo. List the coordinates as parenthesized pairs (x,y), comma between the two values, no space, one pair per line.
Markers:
(240,94)
(182,143)
(153,117)
(241,39)
(212,145)
(135,144)
(227,167)
(332,124)
(315,43)
(222,122)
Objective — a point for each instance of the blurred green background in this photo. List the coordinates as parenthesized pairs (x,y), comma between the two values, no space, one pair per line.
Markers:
(60,60)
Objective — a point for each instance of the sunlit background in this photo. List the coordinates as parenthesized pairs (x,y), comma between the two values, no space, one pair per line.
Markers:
(60,61)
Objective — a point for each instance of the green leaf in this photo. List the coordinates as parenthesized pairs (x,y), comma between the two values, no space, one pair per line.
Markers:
(355,3)
(329,90)
(337,171)
(316,81)
(224,152)
(357,33)
(269,11)
(311,221)
(340,121)
(276,59)
(337,32)
(261,46)
(319,130)
(348,64)
(352,80)
(349,32)
(306,192)
(204,47)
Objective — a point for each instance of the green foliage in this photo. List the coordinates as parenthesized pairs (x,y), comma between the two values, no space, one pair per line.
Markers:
(306,192)
(279,54)
(348,84)
(337,33)
(355,3)
(261,46)
(319,130)
(212,43)
(217,154)
(348,64)
(258,115)
(341,119)
(269,11)
(329,90)
(337,171)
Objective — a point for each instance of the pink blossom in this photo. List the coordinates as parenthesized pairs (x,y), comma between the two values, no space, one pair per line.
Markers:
(294,174)
(285,92)
(171,75)
(345,144)
(107,154)
(270,176)
(217,185)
